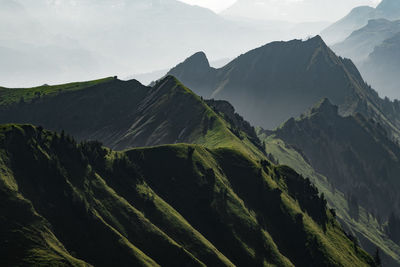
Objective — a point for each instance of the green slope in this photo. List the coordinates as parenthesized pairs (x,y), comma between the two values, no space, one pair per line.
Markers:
(367,229)
(322,157)
(170,205)
(14,95)
(127,114)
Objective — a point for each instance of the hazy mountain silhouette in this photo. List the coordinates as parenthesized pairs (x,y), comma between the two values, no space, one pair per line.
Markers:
(287,10)
(362,42)
(270,84)
(374,50)
(381,68)
(358,18)
(122,37)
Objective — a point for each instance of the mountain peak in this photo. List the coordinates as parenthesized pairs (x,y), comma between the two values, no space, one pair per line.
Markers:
(324,107)
(316,39)
(198,59)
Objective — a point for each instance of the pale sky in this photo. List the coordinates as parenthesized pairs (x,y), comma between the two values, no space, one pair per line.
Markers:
(220,5)
(215,5)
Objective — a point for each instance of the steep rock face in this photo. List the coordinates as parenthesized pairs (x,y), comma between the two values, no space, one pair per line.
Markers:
(354,153)
(197,207)
(270,84)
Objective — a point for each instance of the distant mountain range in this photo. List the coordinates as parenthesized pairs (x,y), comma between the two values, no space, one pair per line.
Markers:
(361,43)
(374,50)
(382,67)
(280,80)
(288,10)
(59,41)
(358,18)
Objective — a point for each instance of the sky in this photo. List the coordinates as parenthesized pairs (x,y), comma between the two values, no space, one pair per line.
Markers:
(341,8)
(57,41)
(215,5)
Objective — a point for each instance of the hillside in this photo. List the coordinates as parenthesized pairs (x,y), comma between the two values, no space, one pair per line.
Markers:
(371,234)
(358,18)
(293,75)
(135,214)
(356,154)
(354,162)
(124,114)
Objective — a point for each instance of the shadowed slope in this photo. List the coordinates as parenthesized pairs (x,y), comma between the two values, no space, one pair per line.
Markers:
(126,114)
(270,84)
(198,206)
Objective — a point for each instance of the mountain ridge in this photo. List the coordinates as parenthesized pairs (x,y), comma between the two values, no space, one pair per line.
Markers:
(134,212)
(315,72)
(125,114)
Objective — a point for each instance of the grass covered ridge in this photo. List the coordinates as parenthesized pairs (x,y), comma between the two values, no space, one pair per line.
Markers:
(13,95)
(182,204)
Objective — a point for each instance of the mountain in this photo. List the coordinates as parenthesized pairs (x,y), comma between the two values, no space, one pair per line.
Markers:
(150,77)
(287,10)
(124,114)
(118,209)
(382,65)
(340,30)
(357,152)
(119,43)
(374,50)
(352,155)
(358,18)
(362,42)
(389,9)
(270,84)
(369,229)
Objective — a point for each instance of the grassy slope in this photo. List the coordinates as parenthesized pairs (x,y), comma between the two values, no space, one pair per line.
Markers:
(219,134)
(217,207)
(13,95)
(366,229)
(238,183)
(127,114)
